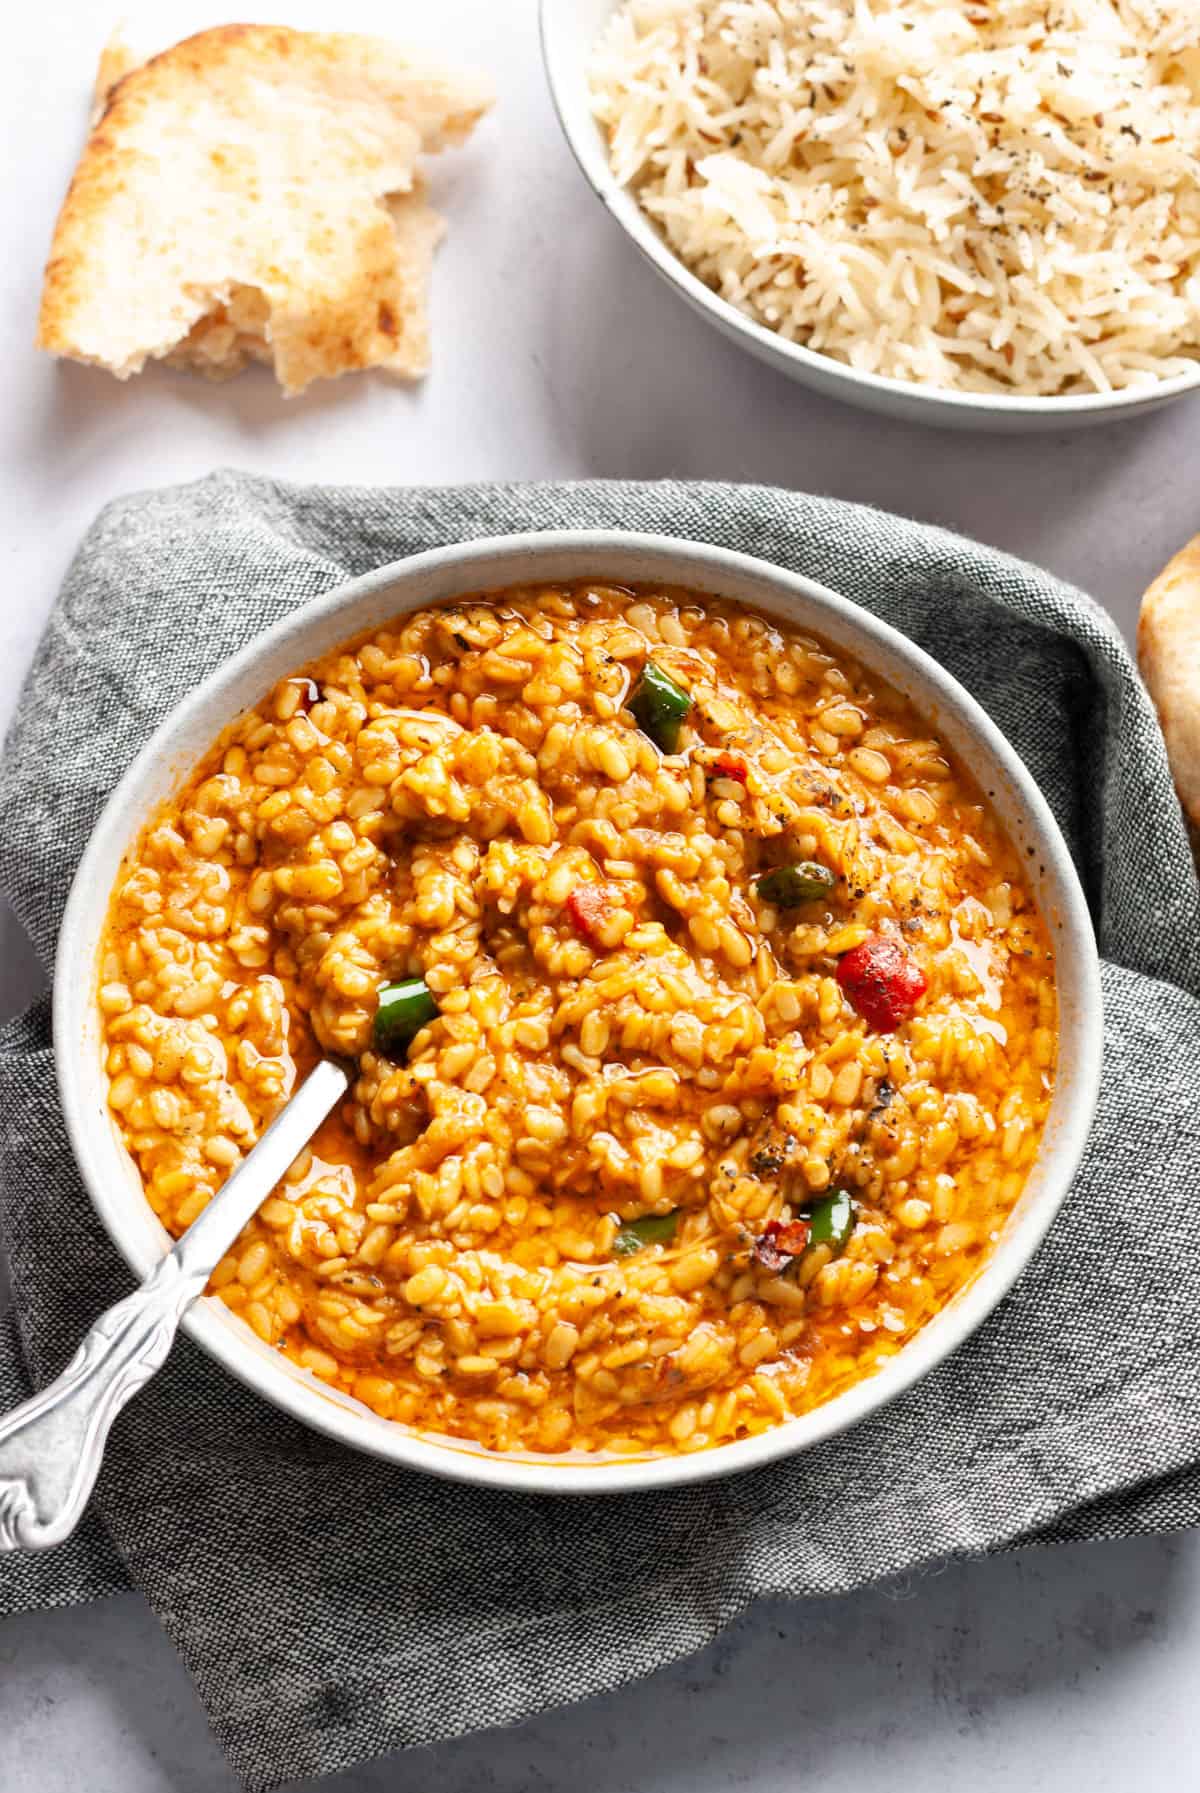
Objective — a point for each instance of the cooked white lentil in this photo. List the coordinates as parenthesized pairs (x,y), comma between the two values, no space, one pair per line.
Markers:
(626,1031)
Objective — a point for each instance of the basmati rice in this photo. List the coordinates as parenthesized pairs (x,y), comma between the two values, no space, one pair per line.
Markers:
(993,195)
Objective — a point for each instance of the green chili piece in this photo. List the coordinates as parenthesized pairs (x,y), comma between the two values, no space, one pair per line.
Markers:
(647,1229)
(659,706)
(831,1220)
(787,886)
(404,1009)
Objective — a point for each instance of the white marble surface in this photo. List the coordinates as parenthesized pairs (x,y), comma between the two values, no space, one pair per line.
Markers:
(558,354)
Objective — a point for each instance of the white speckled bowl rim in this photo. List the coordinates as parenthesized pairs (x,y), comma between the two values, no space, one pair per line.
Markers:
(569,29)
(113,1182)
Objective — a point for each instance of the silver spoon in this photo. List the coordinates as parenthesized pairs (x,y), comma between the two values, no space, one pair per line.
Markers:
(51,1445)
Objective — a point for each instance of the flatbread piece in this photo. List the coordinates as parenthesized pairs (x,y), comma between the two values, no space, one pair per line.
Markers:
(253,192)
(1169,658)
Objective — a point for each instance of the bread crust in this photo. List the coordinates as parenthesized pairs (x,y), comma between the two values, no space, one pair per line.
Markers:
(1169,658)
(255,160)
(116,61)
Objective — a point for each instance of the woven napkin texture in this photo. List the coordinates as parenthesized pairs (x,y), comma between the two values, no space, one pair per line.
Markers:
(332,1608)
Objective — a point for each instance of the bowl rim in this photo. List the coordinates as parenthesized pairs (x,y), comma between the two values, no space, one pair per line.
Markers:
(427,578)
(585,144)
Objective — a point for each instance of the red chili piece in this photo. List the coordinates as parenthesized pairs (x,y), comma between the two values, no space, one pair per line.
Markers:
(729,765)
(780,1242)
(882,982)
(588,905)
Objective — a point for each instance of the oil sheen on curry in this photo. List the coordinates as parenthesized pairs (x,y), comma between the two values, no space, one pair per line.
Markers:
(703,1019)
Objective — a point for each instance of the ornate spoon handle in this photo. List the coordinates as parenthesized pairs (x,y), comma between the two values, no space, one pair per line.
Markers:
(51,1446)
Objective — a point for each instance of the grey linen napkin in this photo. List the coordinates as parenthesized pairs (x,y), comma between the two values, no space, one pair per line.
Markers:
(332,1608)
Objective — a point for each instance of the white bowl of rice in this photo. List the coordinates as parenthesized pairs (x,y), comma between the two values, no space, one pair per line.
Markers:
(973,215)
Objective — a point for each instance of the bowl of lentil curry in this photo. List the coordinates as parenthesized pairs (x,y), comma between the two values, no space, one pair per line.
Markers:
(723,1000)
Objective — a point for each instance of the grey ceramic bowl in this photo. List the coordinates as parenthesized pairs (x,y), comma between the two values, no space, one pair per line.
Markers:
(570,28)
(112,1179)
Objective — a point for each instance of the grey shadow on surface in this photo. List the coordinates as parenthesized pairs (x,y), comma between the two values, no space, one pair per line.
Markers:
(94,1697)
(87,412)
(22,978)
(659,373)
